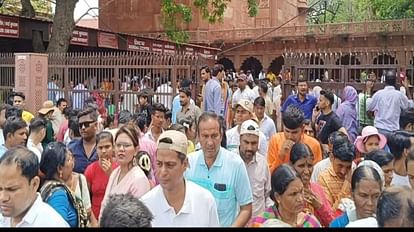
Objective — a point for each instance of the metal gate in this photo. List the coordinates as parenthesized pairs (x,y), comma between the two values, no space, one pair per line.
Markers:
(335,70)
(115,77)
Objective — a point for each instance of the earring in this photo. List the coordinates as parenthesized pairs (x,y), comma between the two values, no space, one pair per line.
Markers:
(60,175)
(134,161)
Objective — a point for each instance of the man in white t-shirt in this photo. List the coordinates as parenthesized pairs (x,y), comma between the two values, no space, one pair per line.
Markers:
(37,129)
(177,202)
(243,92)
(3,109)
(20,204)
(243,112)
(164,93)
(276,100)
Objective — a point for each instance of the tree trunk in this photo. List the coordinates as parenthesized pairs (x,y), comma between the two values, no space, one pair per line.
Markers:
(27,9)
(37,41)
(37,38)
(63,24)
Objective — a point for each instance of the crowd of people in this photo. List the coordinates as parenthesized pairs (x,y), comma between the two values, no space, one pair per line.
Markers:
(241,157)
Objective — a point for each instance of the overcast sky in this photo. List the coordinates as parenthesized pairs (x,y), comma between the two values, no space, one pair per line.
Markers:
(82,7)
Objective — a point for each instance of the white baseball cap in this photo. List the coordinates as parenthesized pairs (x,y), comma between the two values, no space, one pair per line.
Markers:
(249,127)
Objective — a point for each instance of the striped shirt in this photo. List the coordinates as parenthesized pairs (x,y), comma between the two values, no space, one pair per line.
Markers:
(79,95)
(334,187)
(273,213)
(129,102)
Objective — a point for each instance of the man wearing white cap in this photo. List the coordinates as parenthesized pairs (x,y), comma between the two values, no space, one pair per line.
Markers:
(176,202)
(256,166)
(243,112)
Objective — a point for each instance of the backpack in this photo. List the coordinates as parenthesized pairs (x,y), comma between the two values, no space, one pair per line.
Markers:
(51,186)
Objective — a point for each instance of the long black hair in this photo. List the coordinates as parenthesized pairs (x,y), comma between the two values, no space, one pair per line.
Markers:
(299,151)
(281,178)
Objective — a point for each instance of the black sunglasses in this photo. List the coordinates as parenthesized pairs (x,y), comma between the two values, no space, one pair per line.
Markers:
(85,124)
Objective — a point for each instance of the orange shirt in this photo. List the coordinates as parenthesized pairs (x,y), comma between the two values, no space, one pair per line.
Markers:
(273,158)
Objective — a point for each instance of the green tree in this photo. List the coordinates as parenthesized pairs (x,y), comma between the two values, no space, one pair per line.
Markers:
(393,9)
(338,11)
(176,14)
(43,8)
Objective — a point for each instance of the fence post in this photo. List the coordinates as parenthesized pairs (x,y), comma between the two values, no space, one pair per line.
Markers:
(174,78)
(31,71)
(68,87)
(117,89)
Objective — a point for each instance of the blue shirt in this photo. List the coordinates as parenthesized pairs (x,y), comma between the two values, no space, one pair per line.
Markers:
(340,222)
(227,180)
(212,96)
(54,92)
(81,160)
(3,150)
(176,107)
(387,104)
(306,106)
(60,201)
(79,97)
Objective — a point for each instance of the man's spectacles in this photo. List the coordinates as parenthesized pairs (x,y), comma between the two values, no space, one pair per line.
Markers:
(123,145)
(85,125)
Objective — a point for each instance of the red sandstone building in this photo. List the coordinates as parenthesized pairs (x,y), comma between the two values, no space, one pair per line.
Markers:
(362,46)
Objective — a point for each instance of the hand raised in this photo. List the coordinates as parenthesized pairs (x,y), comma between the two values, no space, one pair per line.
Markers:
(107,166)
(285,149)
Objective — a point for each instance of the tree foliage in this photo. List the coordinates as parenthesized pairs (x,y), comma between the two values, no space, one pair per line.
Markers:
(177,15)
(43,8)
(338,11)
(393,9)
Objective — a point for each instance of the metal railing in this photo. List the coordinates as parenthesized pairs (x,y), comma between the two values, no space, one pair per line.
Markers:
(318,30)
(114,77)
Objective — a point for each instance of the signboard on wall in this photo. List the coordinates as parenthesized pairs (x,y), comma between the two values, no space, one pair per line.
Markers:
(80,37)
(157,47)
(205,53)
(138,44)
(9,27)
(169,49)
(107,40)
(189,51)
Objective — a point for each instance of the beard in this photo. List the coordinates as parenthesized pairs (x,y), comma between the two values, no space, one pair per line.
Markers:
(248,154)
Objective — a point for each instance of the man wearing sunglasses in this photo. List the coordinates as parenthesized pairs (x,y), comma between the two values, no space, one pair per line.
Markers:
(84,149)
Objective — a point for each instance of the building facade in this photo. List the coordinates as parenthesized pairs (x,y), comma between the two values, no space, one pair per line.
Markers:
(260,43)
(140,16)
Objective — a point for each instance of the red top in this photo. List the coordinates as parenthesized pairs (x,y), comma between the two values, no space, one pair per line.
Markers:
(62,130)
(97,182)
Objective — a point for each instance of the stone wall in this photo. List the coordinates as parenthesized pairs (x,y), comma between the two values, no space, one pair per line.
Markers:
(138,16)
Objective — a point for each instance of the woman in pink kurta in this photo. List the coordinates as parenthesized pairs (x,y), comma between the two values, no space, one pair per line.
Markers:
(316,202)
(128,177)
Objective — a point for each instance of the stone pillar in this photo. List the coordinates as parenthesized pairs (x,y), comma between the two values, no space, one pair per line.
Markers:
(31,71)
(237,62)
(266,62)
